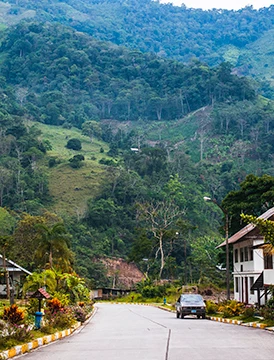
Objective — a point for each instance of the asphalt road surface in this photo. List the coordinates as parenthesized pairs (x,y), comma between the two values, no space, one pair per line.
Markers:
(136,332)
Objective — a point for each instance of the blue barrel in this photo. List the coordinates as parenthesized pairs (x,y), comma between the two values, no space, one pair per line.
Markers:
(38,318)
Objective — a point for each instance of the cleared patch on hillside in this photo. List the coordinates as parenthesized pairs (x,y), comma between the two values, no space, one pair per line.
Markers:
(71,188)
(123,274)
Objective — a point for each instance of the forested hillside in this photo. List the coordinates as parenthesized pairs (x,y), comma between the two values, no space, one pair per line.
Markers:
(60,70)
(144,139)
(170,31)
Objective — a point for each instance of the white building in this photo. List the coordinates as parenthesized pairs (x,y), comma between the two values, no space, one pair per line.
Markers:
(253,271)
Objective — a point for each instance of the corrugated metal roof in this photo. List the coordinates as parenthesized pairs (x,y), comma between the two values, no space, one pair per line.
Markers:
(16,265)
(247,229)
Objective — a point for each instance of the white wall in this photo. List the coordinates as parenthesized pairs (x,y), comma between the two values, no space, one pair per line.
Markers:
(244,270)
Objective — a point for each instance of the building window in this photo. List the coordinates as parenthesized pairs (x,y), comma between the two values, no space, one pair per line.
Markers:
(246,253)
(268,262)
(2,279)
(242,254)
(236,256)
(251,254)
(236,284)
(251,282)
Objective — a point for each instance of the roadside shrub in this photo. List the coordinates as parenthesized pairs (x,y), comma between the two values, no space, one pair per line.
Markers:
(248,312)
(54,305)
(231,308)
(32,307)
(9,332)
(267,312)
(47,329)
(13,314)
(211,307)
(21,332)
(150,291)
(60,319)
(63,298)
(79,313)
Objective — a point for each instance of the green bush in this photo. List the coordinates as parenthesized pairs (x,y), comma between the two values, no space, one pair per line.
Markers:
(79,313)
(151,291)
(211,307)
(59,319)
(51,162)
(248,312)
(231,308)
(12,333)
(74,144)
(267,312)
(33,306)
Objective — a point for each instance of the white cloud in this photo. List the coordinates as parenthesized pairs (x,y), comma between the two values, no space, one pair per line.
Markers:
(221,4)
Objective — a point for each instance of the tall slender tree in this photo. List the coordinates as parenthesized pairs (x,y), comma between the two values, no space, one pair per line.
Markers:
(54,243)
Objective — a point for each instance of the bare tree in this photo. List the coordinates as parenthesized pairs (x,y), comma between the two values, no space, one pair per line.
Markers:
(159,218)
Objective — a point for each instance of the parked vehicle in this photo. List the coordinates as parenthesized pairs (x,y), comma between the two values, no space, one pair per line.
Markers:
(190,304)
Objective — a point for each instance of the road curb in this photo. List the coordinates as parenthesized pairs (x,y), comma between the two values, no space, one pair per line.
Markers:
(34,344)
(240,322)
(44,340)
(224,320)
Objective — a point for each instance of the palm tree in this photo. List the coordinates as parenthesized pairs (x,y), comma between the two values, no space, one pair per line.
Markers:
(36,280)
(53,242)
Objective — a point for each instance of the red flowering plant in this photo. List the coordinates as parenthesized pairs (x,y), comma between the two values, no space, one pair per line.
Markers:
(57,316)
(13,328)
(13,314)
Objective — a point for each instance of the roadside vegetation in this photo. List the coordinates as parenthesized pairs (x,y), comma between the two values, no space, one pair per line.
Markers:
(68,304)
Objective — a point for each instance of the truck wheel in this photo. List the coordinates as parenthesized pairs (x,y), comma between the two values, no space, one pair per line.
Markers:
(198,316)
(182,316)
(203,316)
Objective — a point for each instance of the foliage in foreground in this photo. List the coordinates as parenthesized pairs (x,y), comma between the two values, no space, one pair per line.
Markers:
(17,325)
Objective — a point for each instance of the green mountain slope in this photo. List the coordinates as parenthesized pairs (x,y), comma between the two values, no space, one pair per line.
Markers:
(147,25)
(198,130)
(63,77)
(257,59)
(70,188)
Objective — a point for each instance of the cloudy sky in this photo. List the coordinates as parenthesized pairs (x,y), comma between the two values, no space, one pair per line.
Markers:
(222,4)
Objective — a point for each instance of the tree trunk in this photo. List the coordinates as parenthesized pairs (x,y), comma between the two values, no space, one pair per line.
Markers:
(162,255)
(50,258)
(6,275)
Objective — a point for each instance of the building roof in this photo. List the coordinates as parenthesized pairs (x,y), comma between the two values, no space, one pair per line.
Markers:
(15,266)
(247,229)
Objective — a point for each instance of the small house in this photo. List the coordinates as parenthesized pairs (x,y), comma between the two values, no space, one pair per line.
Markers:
(253,272)
(17,275)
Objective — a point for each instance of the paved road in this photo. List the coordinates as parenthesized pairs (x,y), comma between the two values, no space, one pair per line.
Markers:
(135,332)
